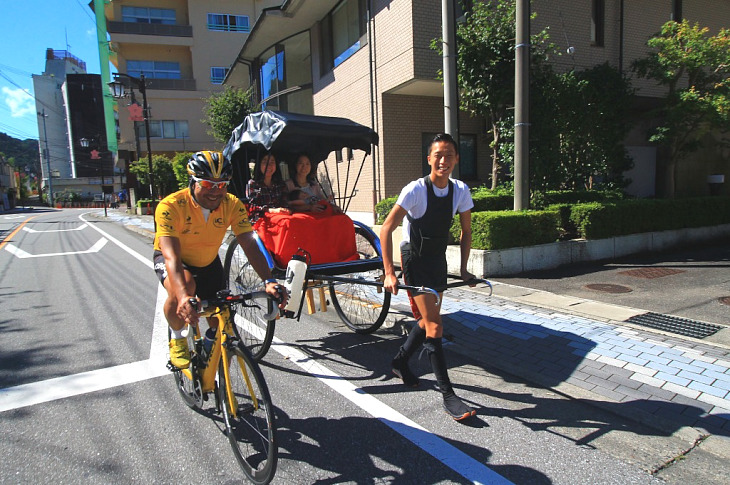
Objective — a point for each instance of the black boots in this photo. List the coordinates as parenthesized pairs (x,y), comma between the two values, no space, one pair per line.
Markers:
(452,404)
(400,363)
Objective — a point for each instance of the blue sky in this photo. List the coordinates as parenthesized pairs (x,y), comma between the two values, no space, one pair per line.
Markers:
(29,27)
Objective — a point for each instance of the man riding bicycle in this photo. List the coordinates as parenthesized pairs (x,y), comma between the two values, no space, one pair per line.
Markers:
(191,224)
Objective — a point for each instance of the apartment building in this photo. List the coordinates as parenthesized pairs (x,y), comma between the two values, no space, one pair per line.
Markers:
(69,106)
(370,61)
(184,48)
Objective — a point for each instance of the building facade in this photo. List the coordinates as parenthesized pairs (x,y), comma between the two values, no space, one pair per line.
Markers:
(69,106)
(184,48)
(370,61)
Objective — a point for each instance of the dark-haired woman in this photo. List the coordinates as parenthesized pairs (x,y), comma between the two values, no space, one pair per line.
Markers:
(266,192)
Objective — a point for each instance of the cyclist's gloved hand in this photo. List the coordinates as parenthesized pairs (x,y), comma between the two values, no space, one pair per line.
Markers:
(187,310)
(278,293)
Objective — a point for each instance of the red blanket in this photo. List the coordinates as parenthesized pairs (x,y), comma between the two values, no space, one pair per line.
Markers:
(326,237)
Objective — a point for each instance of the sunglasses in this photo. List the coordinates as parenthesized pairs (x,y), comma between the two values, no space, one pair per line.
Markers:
(210,184)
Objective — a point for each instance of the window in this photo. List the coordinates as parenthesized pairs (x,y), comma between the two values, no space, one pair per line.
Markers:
(272,77)
(342,30)
(154,69)
(598,16)
(284,75)
(467,155)
(228,23)
(218,74)
(164,129)
(145,15)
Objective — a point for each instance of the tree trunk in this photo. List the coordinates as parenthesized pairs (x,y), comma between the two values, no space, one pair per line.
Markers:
(495,155)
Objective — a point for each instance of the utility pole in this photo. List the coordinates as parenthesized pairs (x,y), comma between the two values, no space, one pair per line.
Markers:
(522,113)
(451,102)
(48,158)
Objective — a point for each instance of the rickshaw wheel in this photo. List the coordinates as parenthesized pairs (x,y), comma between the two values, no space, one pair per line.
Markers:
(363,308)
(255,332)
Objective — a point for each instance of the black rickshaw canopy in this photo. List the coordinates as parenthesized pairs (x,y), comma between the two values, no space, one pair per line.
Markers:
(288,135)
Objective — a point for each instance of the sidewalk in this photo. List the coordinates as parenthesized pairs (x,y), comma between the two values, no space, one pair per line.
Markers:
(602,354)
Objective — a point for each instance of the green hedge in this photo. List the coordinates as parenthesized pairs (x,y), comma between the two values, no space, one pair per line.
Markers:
(591,220)
(509,229)
(601,220)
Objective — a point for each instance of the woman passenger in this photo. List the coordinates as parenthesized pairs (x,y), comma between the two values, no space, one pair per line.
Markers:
(303,178)
(266,192)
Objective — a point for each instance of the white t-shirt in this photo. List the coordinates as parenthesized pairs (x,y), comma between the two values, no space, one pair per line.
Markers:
(414,197)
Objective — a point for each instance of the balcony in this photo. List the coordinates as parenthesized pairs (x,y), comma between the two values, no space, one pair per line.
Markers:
(138,28)
(171,84)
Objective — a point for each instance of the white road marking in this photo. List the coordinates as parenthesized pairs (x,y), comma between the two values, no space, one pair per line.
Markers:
(96,380)
(73,385)
(132,252)
(28,229)
(19,253)
(449,455)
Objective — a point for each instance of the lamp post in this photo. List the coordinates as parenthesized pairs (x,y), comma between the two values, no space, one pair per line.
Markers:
(86,143)
(118,90)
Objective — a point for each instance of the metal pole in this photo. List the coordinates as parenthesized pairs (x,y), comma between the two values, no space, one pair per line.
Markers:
(522,96)
(451,104)
(145,111)
(48,159)
(101,170)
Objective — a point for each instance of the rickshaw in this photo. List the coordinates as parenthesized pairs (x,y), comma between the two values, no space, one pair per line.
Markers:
(354,286)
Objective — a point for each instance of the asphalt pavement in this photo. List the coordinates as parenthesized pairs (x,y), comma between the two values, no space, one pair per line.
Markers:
(646,337)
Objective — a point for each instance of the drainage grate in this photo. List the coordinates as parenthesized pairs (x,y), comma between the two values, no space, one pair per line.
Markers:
(652,272)
(681,326)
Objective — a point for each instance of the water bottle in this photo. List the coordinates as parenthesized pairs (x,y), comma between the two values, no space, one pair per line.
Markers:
(208,342)
(296,270)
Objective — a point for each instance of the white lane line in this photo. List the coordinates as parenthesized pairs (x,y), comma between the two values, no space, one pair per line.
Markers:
(19,253)
(76,384)
(132,252)
(28,229)
(96,380)
(449,455)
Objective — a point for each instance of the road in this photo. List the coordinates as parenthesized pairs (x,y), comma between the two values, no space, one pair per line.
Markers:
(85,398)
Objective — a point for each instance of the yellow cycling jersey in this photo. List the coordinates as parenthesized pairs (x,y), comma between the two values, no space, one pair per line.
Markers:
(179,215)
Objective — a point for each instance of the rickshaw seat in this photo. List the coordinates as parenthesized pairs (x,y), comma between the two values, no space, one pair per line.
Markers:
(327,237)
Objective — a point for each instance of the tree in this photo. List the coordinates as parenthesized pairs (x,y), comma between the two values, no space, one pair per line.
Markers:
(226,110)
(578,127)
(180,168)
(695,68)
(486,66)
(165,180)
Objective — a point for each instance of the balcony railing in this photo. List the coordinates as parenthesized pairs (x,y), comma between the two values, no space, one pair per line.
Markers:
(138,28)
(171,84)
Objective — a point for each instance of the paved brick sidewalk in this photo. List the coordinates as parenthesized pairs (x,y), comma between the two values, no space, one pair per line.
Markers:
(657,379)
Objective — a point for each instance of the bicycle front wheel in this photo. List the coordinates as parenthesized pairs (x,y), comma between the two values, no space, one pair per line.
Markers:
(254,330)
(248,414)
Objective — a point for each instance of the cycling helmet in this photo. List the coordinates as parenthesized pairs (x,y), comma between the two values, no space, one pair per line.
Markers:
(209,165)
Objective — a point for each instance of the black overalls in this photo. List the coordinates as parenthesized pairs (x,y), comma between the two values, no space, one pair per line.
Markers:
(424,257)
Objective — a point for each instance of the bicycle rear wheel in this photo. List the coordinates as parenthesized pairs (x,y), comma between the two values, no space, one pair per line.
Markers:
(254,330)
(248,414)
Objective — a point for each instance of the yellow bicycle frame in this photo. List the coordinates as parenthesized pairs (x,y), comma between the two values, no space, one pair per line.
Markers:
(207,376)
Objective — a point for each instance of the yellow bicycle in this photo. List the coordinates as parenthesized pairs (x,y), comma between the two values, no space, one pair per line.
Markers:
(231,374)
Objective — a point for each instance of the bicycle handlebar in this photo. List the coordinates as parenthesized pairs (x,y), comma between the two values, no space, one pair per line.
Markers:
(224,298)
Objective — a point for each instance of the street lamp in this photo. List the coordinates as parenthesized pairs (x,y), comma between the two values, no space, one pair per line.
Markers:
(86,143)
(118,90)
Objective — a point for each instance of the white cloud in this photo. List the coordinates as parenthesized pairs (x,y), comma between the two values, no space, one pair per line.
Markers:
(20,103)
